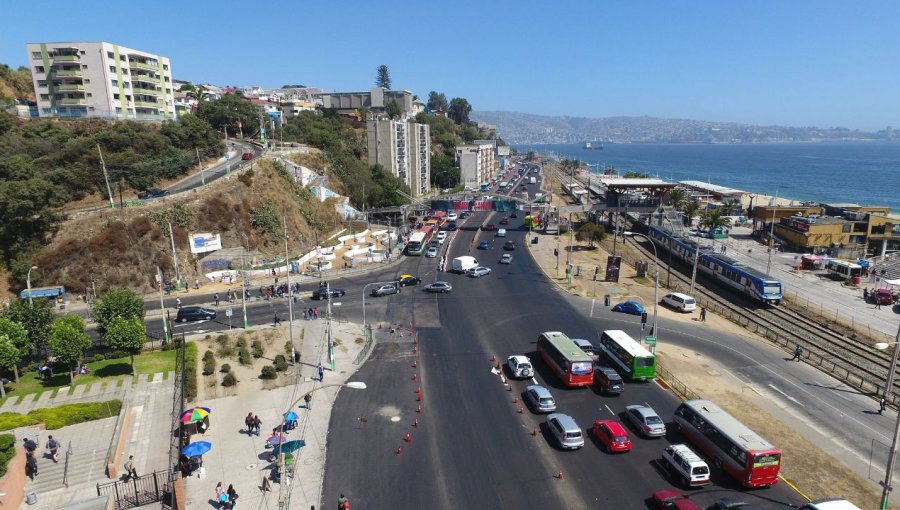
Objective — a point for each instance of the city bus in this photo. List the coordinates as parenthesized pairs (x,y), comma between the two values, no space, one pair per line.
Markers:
(573,366)
(503,186)
(732,446)
(630,358)
(56,294)
(843,270)
(418,241)
(485,186)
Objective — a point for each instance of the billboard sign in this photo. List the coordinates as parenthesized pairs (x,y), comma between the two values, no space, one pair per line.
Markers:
(503,150)
(612,268)
(202,243)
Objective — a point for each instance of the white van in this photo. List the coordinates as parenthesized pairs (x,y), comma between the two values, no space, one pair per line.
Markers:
(501,232)
(692,470)
(829,504)
(680,302)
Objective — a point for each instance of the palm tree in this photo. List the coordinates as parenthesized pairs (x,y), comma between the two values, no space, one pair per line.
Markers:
(731,205)
(713,219)
(690,210)
(677,197)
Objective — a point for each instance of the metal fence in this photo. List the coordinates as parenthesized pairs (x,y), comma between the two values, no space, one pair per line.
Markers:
(367,347)
(136,492)
(845,319)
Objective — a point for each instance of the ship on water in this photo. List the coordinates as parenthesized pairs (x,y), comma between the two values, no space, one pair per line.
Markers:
(593,146)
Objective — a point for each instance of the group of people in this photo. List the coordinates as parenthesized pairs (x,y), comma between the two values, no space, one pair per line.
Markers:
(253,423)
(268,292)
(31,466)
(226,496)
(311,313)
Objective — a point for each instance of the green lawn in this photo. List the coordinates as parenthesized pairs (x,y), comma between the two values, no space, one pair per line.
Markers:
(107,370)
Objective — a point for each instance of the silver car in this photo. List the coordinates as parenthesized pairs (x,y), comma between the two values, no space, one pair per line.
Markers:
(540,399)
(506,258)
(645,419)
(566,432)
(385,290)
(478,271)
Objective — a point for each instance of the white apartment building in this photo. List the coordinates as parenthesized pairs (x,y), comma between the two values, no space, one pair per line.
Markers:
(477,162)
(404,149)
(99,79)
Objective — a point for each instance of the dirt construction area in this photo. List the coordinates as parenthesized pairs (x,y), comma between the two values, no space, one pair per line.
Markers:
(806,466)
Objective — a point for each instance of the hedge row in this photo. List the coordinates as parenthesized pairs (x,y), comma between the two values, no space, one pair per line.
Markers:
(7,451)
(60,416)
(190,371)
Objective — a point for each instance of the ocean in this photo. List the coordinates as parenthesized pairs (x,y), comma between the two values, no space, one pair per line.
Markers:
(865,173)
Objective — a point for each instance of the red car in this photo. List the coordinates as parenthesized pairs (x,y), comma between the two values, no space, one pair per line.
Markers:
(612,436)
(883,297)
(247,155)
(490,226)
(669,499)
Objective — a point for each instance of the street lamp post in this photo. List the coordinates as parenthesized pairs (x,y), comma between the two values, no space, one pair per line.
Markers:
(366,324)
(284,493)
(28,284)
(244,279)
(656,281)
(889,469)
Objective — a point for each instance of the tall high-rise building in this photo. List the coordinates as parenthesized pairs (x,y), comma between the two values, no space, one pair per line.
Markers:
(403,149)
(99,79)
(477,162)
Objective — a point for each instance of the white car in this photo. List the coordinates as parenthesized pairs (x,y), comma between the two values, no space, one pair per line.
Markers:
(432,252)
(478,271)
(506,258)
(441,237)
(452,216)
(520,366)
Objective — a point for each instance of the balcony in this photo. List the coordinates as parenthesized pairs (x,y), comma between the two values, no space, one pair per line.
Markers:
(69,87)
(145,91)
(67,58)
(147,104)
(136,64)
(71,101)
(74,73)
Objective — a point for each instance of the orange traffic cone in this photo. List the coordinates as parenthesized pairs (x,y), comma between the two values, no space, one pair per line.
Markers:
(559,475)
(419,409)
(515,400)
(521,409)
(414,376)
(493,358)
(399,450)
(534,431)
(407,438)
(414,364)
(416,422)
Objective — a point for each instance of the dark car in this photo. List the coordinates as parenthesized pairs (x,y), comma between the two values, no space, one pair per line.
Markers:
(152,193)
(195,313)
(247,155)
(408,279)
(608,380)
(509,245)
(322,292)
(513,215)
(504,221)
(490,226)
(484,245)
(730,504)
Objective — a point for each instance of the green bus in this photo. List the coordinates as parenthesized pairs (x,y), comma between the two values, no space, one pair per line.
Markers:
(630,358)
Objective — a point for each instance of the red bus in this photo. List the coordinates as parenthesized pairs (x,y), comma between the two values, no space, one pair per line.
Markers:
(572,365)
(731,445)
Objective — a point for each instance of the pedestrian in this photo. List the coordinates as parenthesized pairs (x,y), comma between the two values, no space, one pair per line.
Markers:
(178,302)
(321,371)
(216,297)
(130,470)
(221,496)
(248,421)
(266,484)
(316,312)
(308,401)
(257,423)
(703,314)
(304,315)
(866,295)
(53,446)
(277,320)
(877,304)
(231,296)
(797,353)
(310,314)
(232,495)
(196,283)
(882,406)
(30,446)
(31,467)
(343,502)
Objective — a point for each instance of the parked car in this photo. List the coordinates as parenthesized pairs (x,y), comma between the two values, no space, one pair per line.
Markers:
(194,313)
(152,193)
(478,271)
(506,258)
(385,290)
(247,156)
(680,302)
(431,252)
(509,245)
(883,297)
(438,287)
(322,293)
(408,279)
(631,307)
(484,245)
(669,499)
(566,432)
(608,380)
(520,366)
(540,399)
(645,419)
(612,436)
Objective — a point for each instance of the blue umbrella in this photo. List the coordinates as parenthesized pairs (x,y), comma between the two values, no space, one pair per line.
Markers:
(290,416)
(197,449)
(289,446)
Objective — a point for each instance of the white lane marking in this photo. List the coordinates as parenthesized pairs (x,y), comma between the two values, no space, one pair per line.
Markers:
(608,409)
(592,308)
(534,380)
(792,399)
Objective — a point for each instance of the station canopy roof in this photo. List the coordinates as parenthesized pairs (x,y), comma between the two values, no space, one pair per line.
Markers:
(712,188)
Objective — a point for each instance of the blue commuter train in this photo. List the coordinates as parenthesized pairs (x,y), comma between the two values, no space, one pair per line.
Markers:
(735,274)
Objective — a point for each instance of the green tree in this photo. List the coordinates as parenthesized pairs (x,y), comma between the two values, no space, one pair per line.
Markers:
(383,77)
(68,341)
(713,219)
(459,110)
(437,101)
(590,232)
(677,197)
(392,109)
(114,303)
(126,334)
(229,111)
(9,359)
(690,211)
(632,174)
(18,336)
(36,318)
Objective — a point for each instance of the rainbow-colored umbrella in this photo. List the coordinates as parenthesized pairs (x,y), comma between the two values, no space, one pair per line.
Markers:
(195,414)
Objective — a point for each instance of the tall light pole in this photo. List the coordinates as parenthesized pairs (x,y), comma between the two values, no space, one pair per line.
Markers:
(244,279)
(772,233)
(28,283)
(284,492)
(656,279)
(889,469)
(162,306)
(287,260)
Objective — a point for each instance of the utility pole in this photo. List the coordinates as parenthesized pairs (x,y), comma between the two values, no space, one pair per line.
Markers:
(694,270)
(772,233)
(162,306)
(112,204)
(328,327)
(287,259)
(244,285)
(200,162)
(174,257)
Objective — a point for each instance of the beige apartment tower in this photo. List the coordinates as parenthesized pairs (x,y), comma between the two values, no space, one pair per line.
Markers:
(98,79)
(404,149)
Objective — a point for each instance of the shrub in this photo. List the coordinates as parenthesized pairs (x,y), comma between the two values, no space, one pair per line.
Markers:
(287,347)
(241,343)
(229,379)
(7,451)
(190,371)
(61,416)
(268,372)
(280,363)
(208,355)
(209,363)
(257,349)
(244,357)
(225,368)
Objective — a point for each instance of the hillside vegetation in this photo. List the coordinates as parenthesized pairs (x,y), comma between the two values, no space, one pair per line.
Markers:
(15,84)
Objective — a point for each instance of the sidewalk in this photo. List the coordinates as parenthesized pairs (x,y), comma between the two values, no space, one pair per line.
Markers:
(242,460)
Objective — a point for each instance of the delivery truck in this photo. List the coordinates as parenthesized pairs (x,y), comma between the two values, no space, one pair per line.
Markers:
(463,264)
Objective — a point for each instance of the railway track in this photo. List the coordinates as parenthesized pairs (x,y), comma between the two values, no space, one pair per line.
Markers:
(852,359)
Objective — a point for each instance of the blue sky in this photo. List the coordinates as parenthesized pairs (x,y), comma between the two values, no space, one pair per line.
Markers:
(801,63)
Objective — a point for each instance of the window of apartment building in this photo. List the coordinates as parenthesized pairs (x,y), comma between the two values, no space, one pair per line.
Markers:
(87,80)
(39,69)
(90,95)
(112,69)
(36,55)
(42,83)
(81,52)
(118,109)
(116,97)
(110,54)
(45,97)
(84,66)
(122,58)
(115,83)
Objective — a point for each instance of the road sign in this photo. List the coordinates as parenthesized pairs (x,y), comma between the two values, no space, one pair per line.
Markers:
(228,312)
(650,340)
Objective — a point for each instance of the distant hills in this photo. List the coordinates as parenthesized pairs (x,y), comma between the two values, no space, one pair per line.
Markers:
(524,128)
